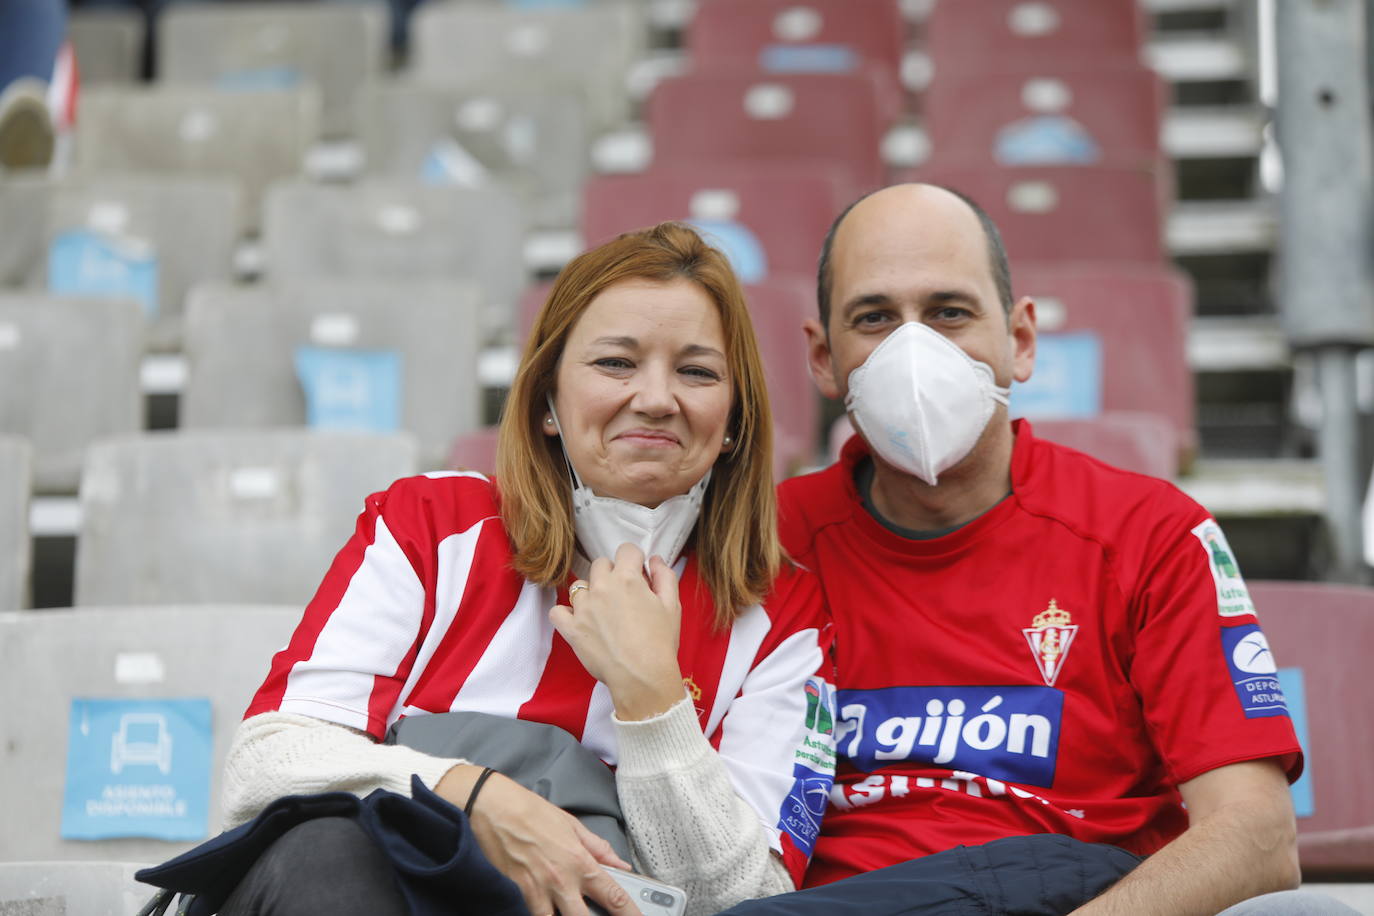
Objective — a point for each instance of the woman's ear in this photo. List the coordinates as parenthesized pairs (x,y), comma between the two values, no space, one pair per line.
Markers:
(550,428)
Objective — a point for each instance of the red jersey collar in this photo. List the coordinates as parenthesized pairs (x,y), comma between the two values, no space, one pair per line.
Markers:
(856,450)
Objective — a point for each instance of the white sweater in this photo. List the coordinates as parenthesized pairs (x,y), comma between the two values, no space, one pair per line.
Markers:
(686,824)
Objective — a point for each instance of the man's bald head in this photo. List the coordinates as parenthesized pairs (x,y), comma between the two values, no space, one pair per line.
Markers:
(917,195)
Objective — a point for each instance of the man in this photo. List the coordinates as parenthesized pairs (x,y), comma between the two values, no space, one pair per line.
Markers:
(1029,643)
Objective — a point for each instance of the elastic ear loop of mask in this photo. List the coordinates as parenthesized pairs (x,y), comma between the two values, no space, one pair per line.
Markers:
(563,444)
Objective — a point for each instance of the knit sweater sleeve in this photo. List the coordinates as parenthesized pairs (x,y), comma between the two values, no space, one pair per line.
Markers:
(277,753)
(687,824)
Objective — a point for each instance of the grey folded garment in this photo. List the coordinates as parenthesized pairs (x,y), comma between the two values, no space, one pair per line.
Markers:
(543,758)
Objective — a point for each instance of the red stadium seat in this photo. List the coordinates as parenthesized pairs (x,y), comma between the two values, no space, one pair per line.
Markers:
(1327,631)
(1142,442)
(1146,443)
(799,36)
(475,451)
(1014,33)
(789,208)
(531,301)
(1065,213)
(776,119)
(1051,114)
(778,307)
(1140,314)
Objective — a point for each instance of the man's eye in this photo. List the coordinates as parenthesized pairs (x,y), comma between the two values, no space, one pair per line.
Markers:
(870,318)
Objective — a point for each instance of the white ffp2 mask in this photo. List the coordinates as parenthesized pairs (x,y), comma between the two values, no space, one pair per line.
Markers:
(921,402)
(603,523)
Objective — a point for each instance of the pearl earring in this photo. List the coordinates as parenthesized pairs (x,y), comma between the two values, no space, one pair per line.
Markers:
(729,441)
(548,421)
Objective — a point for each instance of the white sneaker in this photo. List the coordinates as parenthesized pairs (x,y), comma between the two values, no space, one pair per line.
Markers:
(26,130)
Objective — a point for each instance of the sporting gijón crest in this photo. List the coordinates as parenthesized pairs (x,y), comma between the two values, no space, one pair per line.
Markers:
(1050,635)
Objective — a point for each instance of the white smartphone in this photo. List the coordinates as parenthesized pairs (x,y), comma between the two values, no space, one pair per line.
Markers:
(654,898)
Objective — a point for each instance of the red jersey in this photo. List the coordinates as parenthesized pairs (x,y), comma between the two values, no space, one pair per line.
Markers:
(422,613)
(1060,664)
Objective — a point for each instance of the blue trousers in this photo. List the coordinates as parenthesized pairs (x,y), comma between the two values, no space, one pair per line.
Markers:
(31,32)
(1042,875)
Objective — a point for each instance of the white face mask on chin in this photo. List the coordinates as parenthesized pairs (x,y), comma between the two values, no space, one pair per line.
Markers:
(921,402)
(603,523)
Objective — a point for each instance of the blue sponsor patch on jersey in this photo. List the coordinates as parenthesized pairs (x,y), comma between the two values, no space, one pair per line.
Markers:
(1008,733)
(1253,671)
(813,769)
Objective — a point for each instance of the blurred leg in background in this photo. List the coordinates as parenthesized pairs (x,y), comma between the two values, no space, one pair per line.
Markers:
(32,62)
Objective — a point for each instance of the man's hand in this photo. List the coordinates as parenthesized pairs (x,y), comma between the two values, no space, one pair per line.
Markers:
(625,629)
(551,857)
(1241,842)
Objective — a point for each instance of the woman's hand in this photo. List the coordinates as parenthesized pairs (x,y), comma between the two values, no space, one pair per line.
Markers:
(551,857)
(625,631)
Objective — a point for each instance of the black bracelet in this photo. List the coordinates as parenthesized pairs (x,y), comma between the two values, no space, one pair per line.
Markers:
(477,787)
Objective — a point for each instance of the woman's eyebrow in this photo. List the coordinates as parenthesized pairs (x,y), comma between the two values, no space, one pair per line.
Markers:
(628,343)
(701,350)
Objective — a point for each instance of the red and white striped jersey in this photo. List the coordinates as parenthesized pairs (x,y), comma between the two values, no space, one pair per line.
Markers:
(422,613)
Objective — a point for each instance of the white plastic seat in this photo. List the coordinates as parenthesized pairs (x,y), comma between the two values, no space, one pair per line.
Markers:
(241,341)
(69,374)
(255,137)
(108,43)
(399,230)
(210,517)
(52,656)
(16,551)
(23,203)
(534,142)
(182,229)
(588,48)
(336,47)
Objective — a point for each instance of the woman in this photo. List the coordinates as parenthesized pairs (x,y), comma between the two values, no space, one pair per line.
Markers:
(638,417)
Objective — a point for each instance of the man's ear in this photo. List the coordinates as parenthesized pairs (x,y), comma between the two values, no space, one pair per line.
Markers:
(819,359)
(1021,327)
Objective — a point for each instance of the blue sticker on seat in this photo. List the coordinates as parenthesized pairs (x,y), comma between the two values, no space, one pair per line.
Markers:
(740,245)
(259,78)
(1046,140)
(1295,692)
(1009,733)
(82,262)
(1067,383)
(1253,671)
(350,389)
(137,768)
(808,58)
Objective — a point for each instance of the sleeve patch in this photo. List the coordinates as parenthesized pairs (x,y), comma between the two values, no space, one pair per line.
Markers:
(1253,671)
(812,770)
(1233,598)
